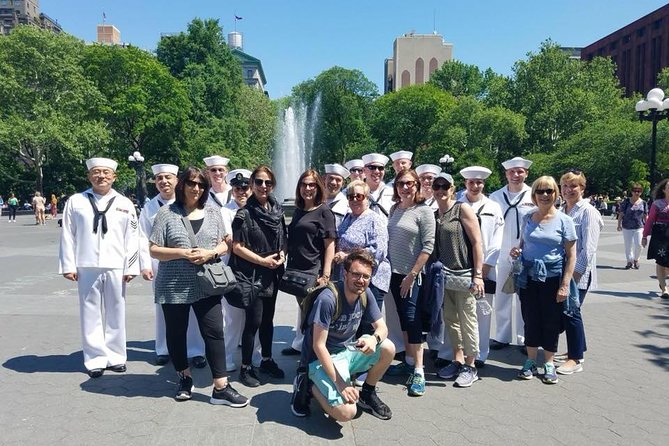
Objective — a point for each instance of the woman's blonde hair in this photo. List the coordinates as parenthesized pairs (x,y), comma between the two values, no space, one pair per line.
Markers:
(545,182)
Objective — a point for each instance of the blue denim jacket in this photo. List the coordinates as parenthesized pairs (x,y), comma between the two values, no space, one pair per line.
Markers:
(538,270)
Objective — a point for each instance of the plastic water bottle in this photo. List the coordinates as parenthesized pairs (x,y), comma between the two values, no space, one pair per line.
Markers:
(484,307)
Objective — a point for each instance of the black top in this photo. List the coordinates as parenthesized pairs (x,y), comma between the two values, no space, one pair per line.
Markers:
(306,237)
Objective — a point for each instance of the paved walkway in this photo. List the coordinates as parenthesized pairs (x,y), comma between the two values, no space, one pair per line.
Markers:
(621,398)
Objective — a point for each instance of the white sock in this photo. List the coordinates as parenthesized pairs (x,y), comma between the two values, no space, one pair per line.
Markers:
(409,360)
(419,371)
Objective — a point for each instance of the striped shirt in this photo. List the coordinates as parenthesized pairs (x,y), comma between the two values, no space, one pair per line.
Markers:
(588,222)
(410,232)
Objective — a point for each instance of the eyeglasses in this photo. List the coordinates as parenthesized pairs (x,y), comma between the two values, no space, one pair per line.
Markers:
(193,184)
(407,184)
(442,186)
(355,170)
(379,168)
(267,183)
(217,169)
(308,185)
(102,173)
(358,276)
(544,191)
(242,188)
(356,197)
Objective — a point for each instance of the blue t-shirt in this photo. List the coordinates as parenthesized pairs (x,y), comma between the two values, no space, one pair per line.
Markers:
(342,330)
(545,241)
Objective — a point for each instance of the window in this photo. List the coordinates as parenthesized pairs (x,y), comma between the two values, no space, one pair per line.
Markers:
(640,32)
(627,38)
(420,71)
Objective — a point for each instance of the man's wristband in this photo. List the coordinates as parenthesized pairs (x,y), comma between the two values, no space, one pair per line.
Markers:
(378,338)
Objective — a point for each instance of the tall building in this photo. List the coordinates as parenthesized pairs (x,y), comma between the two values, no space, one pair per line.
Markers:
(24,12)
(252,71)
(640,51)
(108,35)
(415,58)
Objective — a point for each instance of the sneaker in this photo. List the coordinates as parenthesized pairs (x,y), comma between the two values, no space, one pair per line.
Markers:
(162,359)
(564,369)
(199,362)
(184,388)
(467,376)
(450,371)
(228,396)
(399,369)
(417,386)
(528,371)
(360,379)
(301,398)
(635,265)
(371,402)
(248,377)
(290,351)
(269,366)
(496,345)
(629,265)
(550,377)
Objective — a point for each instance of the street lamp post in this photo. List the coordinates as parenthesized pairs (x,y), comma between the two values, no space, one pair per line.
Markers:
(654,109)
(446,161)
(136,161)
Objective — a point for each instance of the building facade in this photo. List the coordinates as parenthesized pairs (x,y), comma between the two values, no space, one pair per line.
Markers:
(415,58)
(252,71)
(24,12)
(108,35)
(640,51)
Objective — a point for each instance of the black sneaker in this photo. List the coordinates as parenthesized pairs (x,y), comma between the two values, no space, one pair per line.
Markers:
(199,362)
(228,396)
(184,388)
(162,359)
(301,398)
(269,366)
(248,377)
(371,402)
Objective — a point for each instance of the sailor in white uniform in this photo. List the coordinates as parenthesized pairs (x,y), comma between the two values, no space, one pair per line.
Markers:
(335,175)
(235,318)
(99,249)
(515,199)
(381,194)
(220,192)
(426,174)
(491,220)
(165,177)
(401,161)
(356,170)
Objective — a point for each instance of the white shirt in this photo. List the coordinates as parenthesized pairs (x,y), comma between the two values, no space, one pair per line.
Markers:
(383,195)
(146,218)
(339,206)
(220,199)
(513,217)
(492,229)
(228,213)
(80,247)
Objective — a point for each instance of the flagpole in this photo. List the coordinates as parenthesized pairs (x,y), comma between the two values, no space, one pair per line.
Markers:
(104,17)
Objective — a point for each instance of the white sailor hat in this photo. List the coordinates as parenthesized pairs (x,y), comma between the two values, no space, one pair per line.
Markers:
(238,177)
(337,169)
(428,168)
(352,164)
(374,158)
(401,155)
(216,160)
(164,168)
(101,162)
(516,162)
(475,173)
(445,176)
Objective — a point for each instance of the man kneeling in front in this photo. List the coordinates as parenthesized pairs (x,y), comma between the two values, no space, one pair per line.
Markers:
(333,353)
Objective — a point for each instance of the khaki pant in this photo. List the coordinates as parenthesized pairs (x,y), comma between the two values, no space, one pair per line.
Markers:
(460,320)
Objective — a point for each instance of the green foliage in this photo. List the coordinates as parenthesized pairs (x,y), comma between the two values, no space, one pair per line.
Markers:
(459,79)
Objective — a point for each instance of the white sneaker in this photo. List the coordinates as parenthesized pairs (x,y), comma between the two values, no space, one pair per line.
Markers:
(564,369)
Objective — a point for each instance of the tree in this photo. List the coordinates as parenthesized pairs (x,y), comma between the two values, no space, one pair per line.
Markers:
(50,109)
(459,79)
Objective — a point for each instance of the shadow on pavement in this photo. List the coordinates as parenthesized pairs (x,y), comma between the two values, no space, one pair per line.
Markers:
(659,356)
(47,364)
(274,406)
(640,295)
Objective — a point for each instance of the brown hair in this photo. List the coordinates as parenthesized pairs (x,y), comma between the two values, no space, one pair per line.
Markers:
(658,193)
(320,189)
(418,196)
(189,173)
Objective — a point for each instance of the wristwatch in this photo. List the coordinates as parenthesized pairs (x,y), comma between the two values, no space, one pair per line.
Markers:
(378,338)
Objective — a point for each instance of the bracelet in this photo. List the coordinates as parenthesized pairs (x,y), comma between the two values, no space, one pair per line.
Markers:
(414,274)
(325,276)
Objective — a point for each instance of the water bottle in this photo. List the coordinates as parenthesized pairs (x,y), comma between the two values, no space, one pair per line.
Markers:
(484,307)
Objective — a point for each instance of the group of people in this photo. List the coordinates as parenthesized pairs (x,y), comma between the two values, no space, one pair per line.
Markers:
(38,204)
(362,250)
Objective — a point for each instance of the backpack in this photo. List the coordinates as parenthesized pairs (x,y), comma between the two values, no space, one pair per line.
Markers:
(308,301)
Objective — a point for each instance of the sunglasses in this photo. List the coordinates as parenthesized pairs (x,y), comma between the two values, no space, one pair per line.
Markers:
(379,168)
(544,191)
(242,188)
(356,197)
(574,171)
(216,169)
(407,184)
(193,184)
(267,183)
(442,186)
(308,185)
(355,170)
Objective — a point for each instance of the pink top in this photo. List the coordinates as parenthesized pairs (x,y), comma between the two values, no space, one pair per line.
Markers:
(659,213)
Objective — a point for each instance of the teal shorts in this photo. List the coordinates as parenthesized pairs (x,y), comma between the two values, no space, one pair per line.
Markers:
(346,362)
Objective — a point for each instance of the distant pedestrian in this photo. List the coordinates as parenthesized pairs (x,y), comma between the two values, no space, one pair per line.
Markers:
(657,226)
(13,205)
(632,214)
(39,206)
(54,206)
(2,205)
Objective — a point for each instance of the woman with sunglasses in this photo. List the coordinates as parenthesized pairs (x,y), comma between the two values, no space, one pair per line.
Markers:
(411,229)
(176,288)
(632,215)
(657,226)
(588,222)
(548,254)
(258,246)
(311,240)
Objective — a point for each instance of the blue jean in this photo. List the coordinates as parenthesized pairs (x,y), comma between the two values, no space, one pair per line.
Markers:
(407,309)
(366,328)
(575,331)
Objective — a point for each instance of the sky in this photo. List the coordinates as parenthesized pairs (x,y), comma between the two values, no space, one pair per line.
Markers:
(298,39)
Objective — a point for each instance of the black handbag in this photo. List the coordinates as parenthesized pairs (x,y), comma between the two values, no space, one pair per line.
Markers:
(245,291)
(214,278)
(298,283)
